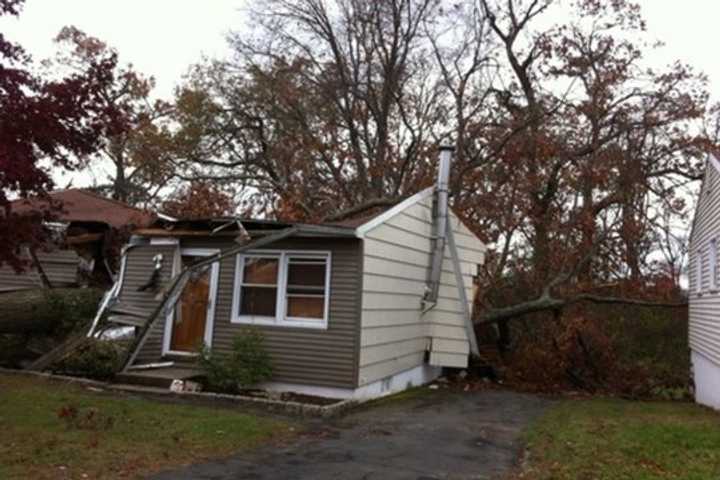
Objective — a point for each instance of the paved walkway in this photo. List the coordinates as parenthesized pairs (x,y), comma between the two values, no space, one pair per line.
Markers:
(439,435)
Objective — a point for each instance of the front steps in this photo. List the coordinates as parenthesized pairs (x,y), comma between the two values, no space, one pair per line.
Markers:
(157,377)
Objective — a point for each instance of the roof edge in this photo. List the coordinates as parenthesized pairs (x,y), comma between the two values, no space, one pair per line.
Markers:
(395,210)
(714,161)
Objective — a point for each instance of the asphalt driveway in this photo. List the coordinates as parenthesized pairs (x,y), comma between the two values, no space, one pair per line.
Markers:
(435,435)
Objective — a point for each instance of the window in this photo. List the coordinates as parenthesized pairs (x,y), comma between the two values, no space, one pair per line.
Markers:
(713,263)
(284,288)
(259,286)
(698,271)
(306,289)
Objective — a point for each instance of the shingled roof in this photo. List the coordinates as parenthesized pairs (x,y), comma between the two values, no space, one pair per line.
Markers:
(85,206)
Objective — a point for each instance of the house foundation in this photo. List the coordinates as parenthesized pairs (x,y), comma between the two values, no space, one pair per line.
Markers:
(707,381)
(414,377)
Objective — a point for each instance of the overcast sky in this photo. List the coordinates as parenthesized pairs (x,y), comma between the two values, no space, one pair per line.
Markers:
(163,37)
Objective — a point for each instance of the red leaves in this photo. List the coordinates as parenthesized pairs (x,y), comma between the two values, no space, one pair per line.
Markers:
(53,121)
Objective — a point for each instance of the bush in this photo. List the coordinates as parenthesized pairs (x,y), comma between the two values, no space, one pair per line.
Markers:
(245,365)
(98,359)
(633,351)
(75,308)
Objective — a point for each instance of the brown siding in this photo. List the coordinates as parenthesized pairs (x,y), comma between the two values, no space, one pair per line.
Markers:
(60,266)
(299,355)
(138,269)
(11,281)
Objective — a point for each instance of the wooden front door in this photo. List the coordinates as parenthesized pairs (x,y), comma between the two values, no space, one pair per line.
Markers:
(190,318)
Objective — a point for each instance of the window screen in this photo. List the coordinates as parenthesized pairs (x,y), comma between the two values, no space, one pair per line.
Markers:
(259,288)
(306,287)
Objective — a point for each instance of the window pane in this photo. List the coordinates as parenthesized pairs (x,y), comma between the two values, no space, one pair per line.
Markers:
(306,307)
(262,271)
(258,301)
(302,273)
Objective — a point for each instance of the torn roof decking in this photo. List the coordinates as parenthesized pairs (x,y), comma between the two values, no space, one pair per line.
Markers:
(229,226)
(349,226)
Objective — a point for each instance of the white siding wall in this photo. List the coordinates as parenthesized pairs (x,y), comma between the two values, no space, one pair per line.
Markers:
(394,333)
(705,302)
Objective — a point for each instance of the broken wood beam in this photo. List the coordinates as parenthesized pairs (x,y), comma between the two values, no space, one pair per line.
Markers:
(70,344)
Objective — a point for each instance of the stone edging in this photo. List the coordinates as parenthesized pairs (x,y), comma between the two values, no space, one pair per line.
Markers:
(290,407)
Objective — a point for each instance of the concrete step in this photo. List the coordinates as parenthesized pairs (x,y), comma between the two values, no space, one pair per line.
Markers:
(157,377)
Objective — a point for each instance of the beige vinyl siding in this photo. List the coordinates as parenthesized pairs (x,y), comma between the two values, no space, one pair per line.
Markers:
(704,312)
(299,355)
(394,334)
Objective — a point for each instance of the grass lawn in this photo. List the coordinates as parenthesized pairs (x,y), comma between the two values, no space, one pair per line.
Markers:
(617,439)
(52,430)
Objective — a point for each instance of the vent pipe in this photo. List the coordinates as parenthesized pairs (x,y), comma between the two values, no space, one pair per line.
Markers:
(440,226)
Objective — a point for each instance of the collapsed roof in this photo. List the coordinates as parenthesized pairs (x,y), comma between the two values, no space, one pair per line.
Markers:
(232,226)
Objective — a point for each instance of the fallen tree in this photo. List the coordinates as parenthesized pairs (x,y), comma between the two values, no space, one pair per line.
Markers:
(547,302)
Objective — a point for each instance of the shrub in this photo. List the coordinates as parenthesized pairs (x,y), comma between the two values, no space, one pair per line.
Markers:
(75,308)
(245,365)
(633,351)
(99,359)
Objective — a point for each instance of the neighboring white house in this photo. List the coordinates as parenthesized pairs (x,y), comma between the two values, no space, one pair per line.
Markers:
(704,289)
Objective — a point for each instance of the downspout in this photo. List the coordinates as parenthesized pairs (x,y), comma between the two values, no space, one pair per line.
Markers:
(440,222)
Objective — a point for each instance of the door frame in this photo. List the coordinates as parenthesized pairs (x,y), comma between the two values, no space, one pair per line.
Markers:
(212,297)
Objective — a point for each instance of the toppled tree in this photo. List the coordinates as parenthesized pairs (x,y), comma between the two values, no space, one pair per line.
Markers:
(571,155)
(581,177)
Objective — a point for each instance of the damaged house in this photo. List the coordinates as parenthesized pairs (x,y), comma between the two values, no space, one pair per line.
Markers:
(83,241)
(357,308)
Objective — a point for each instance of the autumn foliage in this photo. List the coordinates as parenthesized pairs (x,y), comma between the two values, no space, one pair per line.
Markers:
(199,200)
(54,120)
(573,158)
(138,153)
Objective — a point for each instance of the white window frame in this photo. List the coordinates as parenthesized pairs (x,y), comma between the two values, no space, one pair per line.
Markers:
(281,319)
(237,289)
(698,270)
(712,260)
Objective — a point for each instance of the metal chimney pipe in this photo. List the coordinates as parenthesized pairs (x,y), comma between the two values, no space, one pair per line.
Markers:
(440,224)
